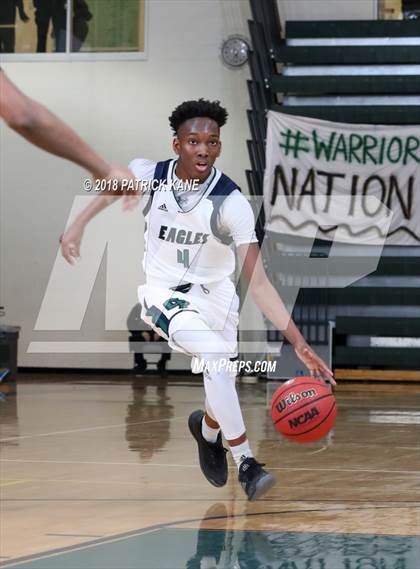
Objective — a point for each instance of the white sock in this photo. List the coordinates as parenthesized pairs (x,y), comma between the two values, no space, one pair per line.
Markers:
(208,563)
(241,452)
(209,433)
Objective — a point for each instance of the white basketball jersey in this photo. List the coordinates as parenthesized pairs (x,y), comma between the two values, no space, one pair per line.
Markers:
(182,246)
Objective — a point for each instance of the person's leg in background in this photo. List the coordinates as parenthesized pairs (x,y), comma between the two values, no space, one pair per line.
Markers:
(136,336)
(59,22)
(76,44)
(43,15)
(140,362)
(7,40)
(135,327)
(164,359)
(7,26)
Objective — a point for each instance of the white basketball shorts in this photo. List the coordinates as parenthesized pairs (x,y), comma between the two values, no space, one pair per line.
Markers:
(216,304)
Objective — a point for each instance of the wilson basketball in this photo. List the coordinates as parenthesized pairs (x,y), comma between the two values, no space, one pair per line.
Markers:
(303,409)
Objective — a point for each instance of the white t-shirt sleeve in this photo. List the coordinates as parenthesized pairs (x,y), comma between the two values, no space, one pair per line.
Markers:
(236,219)
(142,168)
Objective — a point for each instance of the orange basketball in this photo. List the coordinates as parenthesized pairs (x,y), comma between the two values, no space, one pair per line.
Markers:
(303,409)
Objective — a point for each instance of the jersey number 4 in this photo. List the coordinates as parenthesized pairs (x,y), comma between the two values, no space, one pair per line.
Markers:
(183,257)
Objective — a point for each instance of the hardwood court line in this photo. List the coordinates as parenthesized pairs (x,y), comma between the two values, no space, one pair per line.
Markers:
(151,529)
(372,445)
(108,482)
(318,451)
(31,460)
(347,470)
(404,505)
(72,535)
(86,429)
(13,482)
(99,427)
(21,460)
(71,549)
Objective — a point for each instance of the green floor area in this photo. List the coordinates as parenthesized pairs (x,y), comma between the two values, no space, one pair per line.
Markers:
(219,549)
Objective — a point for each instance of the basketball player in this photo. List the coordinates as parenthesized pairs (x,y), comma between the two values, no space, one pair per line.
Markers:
(43,129)
(188,297)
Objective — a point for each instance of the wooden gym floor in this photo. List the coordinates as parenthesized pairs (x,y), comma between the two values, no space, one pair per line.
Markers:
(103,474)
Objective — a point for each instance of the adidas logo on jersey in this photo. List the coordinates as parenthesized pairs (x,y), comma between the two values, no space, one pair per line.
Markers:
(163,207)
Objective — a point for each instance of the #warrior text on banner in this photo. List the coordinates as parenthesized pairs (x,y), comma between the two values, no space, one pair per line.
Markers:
(353,181)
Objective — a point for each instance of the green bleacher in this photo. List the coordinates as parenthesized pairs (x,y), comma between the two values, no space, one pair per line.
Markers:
(276,55)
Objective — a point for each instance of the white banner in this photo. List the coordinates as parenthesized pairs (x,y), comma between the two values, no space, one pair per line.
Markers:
(356,182)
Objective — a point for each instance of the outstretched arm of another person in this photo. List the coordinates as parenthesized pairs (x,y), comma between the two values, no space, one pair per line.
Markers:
(42,128)
(270,303)
(71,239)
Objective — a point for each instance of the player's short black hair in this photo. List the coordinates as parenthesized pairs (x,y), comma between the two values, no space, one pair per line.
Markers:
(201,108)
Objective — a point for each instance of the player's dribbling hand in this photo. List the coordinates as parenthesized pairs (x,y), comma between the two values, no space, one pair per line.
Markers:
(70,243)
(315,365)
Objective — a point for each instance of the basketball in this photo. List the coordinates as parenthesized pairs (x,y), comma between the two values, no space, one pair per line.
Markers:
(303,409)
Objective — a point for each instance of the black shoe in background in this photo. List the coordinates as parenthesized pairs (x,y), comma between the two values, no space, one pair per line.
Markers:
(140,367)
(161,368)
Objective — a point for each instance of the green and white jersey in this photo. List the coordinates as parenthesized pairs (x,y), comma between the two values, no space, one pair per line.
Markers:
(190,238)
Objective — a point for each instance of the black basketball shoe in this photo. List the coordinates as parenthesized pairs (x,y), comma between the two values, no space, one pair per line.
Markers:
(212,456)
(254,479)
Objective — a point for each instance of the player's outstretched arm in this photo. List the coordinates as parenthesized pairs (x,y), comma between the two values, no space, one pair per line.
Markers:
(42,128)
(270,303)
(71,239)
